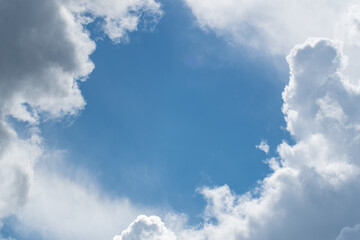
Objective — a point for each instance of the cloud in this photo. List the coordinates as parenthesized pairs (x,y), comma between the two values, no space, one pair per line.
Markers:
(274,26)
(44,55)
(61,208)
(312,192)
(119,17)
(263,146)
(45,50)
(349,233)
(17,158)
(150,228)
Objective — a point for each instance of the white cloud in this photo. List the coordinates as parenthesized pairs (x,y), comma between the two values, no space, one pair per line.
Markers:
(45,51)
(17,158)
(120,17)
(62,208)
(263,146)
(313,192)
(272,25)
(150,228)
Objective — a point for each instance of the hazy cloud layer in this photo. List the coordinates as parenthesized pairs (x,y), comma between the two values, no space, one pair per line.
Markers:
(60,208)
(349,233)
(274,26)
(17,158)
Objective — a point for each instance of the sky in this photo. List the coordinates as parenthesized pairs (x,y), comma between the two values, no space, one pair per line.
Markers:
(165,117)
(182,119)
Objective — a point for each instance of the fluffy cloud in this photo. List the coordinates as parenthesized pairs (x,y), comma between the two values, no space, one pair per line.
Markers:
(119,17)
(44,55)
(150,228)
(45,50)
(312,192)
(263,146)
(274,25)
(61,208)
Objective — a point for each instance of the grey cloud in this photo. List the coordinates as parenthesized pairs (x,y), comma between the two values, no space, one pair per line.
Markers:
(45,50)
(349,233)
(44,55)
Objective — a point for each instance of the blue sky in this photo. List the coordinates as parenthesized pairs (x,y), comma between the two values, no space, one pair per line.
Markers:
(150,119)
(170,111)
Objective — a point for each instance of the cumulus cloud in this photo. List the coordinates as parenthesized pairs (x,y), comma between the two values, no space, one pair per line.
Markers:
(150,228)
(44,55)
(312,192)
(275,26)
(45,50)
(263,146)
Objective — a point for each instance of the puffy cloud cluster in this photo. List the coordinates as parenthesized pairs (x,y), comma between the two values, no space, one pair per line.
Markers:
(44,55)
(119,17)
(272,25)
(150,228)
(313,191)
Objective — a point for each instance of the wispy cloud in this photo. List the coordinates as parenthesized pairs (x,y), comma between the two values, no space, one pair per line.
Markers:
(263,146)
(271,27)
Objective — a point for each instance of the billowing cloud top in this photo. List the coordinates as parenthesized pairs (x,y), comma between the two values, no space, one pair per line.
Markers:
(150,228)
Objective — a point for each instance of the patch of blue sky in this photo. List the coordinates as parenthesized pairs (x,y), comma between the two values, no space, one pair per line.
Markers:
(11,230)
(173,110)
